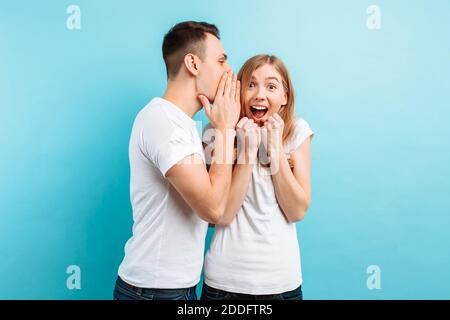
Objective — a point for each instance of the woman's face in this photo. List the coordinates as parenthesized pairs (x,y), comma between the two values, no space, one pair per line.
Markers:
(264,95)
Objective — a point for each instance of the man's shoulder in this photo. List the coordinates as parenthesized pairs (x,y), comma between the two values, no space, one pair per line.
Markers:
(154,109)
(153,116)
(152,124)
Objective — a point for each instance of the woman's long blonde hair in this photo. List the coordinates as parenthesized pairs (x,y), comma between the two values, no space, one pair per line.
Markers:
(286,111)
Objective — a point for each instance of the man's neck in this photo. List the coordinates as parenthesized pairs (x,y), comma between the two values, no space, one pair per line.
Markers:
(183,96)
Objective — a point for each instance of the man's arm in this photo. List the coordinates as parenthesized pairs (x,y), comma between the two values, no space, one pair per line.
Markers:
(206,193)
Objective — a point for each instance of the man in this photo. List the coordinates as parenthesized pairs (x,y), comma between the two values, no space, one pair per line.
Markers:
(173,195)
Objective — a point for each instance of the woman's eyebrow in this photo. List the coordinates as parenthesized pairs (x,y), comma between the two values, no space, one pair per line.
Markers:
(224,56)
(268,78)
(273,78)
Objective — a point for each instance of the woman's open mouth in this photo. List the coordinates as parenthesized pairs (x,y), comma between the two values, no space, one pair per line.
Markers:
(258,111)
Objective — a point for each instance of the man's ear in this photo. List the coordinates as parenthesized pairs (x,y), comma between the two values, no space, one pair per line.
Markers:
(191,62)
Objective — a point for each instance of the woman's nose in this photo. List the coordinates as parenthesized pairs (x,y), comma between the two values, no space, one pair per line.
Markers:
(260,95)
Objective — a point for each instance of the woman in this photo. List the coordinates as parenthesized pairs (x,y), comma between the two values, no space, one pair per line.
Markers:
(254,253)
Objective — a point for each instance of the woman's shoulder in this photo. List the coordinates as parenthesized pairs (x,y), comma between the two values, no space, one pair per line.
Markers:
(302,131)
(301,124)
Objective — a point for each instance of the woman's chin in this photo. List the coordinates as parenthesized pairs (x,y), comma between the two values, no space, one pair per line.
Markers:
(259,121)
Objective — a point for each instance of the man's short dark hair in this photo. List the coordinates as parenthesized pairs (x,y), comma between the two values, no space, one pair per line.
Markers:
(185,37)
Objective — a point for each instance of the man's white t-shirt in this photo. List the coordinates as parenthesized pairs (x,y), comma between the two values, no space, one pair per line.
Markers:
(259,252)
(167,246)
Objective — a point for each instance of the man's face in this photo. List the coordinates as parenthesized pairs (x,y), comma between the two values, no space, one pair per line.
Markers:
(212,67)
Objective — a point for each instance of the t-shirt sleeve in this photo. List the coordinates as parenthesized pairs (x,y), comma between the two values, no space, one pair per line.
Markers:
(175,150)
(302,131)
(166,149)
(208,139)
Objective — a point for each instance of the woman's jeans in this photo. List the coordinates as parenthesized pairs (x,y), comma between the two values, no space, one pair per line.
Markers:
(125,291)
(209,293)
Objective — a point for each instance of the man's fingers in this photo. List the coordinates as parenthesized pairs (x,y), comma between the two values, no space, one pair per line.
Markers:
(238,91)
(221,86)
(206,105)
(227,89)
(204,101)
(233,86)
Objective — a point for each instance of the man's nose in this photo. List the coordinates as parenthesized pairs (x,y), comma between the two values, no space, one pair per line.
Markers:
(227,67)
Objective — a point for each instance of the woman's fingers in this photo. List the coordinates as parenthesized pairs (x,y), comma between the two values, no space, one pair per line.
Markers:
(258,134)
(277,117)
(278,120)
(241,123)
(250,125)
(263,133)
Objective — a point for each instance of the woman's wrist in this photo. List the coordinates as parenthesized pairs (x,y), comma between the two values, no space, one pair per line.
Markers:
(278,162)
(247,157)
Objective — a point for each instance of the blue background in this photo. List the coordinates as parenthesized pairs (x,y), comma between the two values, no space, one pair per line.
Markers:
(378,101)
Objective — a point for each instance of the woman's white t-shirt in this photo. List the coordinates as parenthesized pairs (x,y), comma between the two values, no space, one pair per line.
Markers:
(259,252)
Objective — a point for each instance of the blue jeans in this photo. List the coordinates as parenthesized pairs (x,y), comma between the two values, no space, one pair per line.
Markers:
(125,291)
(209,293)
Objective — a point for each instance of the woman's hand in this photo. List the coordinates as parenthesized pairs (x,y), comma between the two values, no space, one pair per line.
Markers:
(272,139)
(249,137)
(272,136)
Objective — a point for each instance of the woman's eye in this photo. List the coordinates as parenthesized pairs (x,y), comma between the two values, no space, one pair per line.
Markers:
(251,85)
(272,87)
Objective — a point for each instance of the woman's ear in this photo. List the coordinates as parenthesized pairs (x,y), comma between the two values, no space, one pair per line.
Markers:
(191,62)
(284,100)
